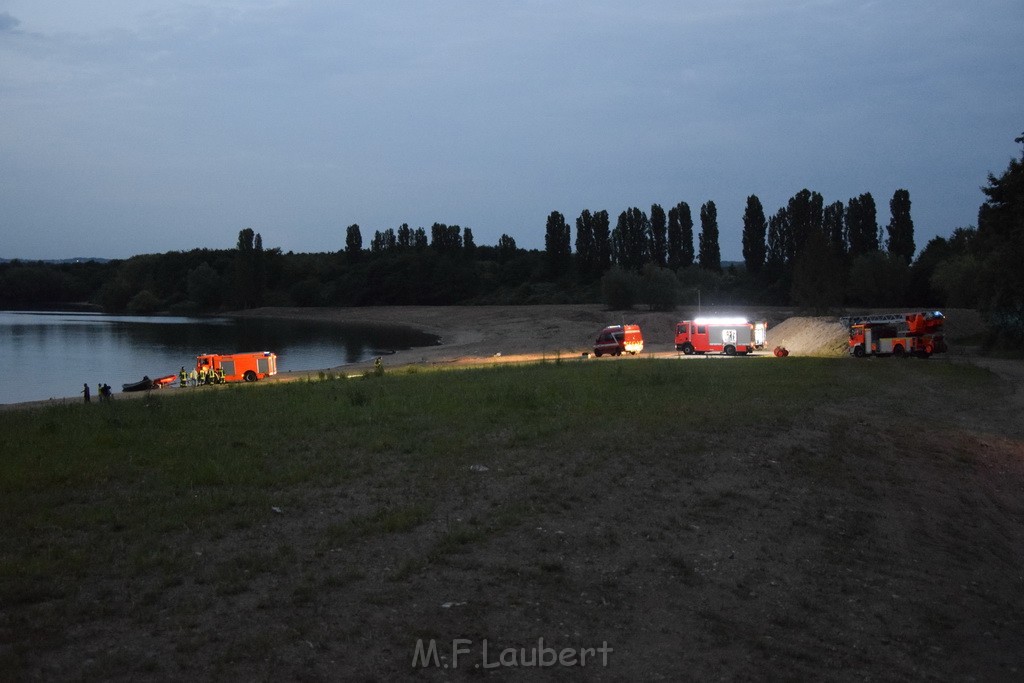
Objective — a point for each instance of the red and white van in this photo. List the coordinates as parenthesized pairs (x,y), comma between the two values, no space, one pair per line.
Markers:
(615,339)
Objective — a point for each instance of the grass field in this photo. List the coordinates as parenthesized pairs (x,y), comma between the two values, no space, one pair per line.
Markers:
(704,518)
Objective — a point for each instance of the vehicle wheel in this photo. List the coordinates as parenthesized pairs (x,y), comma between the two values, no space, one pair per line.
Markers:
(597,353)
(899,351)
(858,351)
(730,350)
(688,349)
(249,376)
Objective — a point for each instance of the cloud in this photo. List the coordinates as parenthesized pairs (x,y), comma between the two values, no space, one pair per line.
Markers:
(176,122)
(8,23)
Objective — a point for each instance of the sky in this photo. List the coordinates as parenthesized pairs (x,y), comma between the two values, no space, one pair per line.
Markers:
(146,126)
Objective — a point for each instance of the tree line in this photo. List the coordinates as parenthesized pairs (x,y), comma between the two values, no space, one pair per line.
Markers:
(814,255)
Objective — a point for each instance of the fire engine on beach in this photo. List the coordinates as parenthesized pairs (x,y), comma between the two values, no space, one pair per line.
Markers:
(730,336)
(615,339)
(239,367)
(896,334)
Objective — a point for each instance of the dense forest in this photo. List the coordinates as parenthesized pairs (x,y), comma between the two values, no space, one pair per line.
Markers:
(808,254)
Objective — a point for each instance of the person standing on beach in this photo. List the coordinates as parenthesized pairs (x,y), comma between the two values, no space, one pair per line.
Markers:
(85,391)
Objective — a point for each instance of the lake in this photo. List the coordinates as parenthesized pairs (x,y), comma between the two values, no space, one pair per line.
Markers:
(51,355)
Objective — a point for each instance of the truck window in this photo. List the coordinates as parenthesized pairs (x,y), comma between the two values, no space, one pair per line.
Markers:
(702,329)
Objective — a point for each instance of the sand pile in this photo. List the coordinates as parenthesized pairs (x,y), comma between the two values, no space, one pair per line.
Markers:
(810,336)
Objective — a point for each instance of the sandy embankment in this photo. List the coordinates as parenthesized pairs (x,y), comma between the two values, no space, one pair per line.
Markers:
(480,335)
(473,335)
(490,334)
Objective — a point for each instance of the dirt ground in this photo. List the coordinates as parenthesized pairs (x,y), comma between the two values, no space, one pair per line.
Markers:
(502,334)
(852,544)
(849,544)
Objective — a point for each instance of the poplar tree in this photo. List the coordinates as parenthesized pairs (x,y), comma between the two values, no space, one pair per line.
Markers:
(602,241)
(446,239)
(586,246)
(353,242)
(755,229)
(556,244)
(901,227)
(419,239)
(680,237)
(629,239)
(710,254)
(817,276)
(805,217)
(248,269)
(775,251)
(404,236)
(657,245)
(673,240)
(862,225)
(834,227)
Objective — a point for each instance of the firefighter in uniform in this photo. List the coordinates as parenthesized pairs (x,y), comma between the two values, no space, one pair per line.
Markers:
(182,377)
(220,375)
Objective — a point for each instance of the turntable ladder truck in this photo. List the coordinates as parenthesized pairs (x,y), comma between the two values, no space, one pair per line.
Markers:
(896,334)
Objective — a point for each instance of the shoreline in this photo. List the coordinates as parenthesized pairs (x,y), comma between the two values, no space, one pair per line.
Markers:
(488,335)
(468,335)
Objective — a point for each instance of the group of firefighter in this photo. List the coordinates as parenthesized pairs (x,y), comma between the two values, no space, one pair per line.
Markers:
(199,377)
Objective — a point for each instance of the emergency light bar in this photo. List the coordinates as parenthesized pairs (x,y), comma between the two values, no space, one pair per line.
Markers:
(720,321)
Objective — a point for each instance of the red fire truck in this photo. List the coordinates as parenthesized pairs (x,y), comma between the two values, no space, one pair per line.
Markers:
(730,336)
(896,334)
(239,367)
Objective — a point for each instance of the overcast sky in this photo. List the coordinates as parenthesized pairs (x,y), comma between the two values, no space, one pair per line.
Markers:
(144,126)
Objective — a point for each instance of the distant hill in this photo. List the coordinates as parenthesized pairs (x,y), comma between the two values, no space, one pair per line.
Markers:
(80,259)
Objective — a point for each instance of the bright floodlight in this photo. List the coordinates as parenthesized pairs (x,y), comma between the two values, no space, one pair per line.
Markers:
(720,321)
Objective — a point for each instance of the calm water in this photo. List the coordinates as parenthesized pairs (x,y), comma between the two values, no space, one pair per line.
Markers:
(50,355)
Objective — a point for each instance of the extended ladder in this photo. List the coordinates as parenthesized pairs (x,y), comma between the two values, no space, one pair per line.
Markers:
(849,320)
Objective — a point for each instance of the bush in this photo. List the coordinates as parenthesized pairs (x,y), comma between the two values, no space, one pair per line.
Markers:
(620,289)
(660,288)
(143,303)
